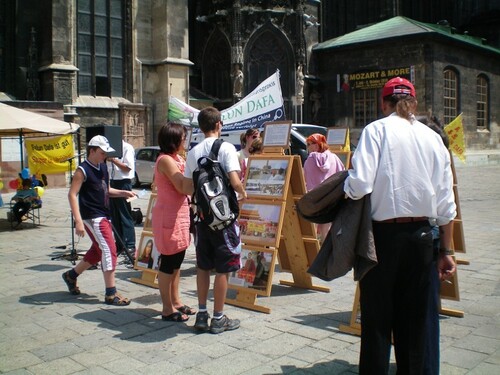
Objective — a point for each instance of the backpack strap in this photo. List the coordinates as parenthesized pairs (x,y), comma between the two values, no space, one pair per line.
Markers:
(214,151)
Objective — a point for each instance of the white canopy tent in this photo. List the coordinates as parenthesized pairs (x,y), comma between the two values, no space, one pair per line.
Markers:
(18,122)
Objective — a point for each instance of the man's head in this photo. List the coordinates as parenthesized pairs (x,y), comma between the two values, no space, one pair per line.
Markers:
(209,119)
(398,85)
(399,95)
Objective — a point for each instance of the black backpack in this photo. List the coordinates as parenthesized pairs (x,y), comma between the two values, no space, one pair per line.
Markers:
(214,197)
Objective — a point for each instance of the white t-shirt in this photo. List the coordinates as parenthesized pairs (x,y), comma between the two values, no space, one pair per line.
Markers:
(128,158)
(228,156)
(406,168)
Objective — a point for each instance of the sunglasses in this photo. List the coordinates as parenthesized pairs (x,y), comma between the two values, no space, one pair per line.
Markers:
(255,136)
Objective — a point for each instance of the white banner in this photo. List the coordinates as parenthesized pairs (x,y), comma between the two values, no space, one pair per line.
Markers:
(263,104)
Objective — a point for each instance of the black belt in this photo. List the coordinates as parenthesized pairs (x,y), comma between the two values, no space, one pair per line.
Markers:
(404,220)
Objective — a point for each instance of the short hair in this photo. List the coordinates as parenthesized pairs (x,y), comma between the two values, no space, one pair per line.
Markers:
(208,119)
(170,137)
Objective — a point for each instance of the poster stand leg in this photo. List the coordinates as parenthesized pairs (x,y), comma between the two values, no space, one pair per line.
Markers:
(354,327)
(247,299)
(148,278)
(307,285)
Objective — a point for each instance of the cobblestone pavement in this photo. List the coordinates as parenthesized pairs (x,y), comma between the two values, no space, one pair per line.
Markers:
(44,330)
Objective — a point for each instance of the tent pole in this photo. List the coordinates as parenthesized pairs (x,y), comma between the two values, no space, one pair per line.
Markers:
(21,148)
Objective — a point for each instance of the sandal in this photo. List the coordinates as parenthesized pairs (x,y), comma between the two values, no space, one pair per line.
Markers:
(71,283)
(185,309)
(175,317)
(116,300)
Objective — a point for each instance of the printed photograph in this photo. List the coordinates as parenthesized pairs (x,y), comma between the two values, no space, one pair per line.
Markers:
(266,176)
(147,253)
(260,223)
(256,270)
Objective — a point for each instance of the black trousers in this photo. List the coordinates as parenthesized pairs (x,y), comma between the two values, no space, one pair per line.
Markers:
(394,298)
(121,215)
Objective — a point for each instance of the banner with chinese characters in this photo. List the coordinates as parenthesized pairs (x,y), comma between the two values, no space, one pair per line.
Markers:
(50,155)
(455,132)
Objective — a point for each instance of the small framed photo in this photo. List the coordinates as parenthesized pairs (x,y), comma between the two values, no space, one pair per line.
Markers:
(256,272)
(260,222)
(147,254)
(345,158)
(267,176)
(148,222)
(336,136)
(277,134)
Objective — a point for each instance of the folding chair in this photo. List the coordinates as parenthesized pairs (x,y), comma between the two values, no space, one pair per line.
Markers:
(31,215)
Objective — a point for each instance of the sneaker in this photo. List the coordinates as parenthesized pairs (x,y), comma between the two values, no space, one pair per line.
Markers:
(223,324)
(201,323)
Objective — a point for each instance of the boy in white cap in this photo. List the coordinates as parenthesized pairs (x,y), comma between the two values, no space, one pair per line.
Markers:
(89,201)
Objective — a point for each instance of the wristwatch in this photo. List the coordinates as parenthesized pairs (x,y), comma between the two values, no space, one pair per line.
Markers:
(445,251)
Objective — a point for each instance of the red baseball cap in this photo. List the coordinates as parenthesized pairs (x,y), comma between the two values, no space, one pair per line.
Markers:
(398,85)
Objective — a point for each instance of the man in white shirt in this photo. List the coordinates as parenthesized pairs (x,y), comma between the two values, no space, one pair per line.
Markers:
(122,172)
(406,168)
(215,249)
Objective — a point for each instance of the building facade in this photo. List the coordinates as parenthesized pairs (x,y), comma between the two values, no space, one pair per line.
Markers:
(108,62)
(453,73)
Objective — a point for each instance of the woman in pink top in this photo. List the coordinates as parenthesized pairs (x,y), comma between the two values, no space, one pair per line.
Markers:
(170,217)
(320,164)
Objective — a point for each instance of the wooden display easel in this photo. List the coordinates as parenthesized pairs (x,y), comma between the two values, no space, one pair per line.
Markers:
(148,277)
(298,245)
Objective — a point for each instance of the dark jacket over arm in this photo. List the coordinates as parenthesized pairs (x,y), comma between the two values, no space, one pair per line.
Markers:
(350,243)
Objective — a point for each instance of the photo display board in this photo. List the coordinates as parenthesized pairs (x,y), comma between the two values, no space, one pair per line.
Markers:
(267,176)
(336,136)
(147,253)
(260,222)
(277,134)
(256,272)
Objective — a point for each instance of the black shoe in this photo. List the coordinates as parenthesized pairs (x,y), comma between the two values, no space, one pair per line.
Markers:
(223,324)
(201,323)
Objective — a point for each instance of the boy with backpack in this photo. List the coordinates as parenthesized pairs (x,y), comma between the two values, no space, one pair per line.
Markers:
(217,239)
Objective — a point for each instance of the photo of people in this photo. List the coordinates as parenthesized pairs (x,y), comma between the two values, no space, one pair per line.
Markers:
(266,177)
(256,271)
(147,256)
(259,223)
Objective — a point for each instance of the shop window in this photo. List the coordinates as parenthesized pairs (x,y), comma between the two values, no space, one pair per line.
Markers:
(450,86)
(100,47)
(365,107)
(482,102)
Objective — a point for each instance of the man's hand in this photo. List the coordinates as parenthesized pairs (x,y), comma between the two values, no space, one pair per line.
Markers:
(446,266)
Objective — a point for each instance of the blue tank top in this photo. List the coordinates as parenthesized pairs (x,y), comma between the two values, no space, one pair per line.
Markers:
(93,197)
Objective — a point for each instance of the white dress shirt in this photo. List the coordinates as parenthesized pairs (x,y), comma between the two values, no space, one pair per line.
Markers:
(406,168)
(128,158)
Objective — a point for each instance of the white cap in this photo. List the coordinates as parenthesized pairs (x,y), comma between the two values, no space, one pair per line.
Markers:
(101,142)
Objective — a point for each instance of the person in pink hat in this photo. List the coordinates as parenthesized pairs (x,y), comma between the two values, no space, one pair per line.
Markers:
(406,169)
(89,201)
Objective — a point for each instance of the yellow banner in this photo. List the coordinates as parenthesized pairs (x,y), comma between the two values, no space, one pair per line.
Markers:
(347,145)
(455,132)
(50,155)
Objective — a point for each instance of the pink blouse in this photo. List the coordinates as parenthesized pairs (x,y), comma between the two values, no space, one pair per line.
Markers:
(170,215)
